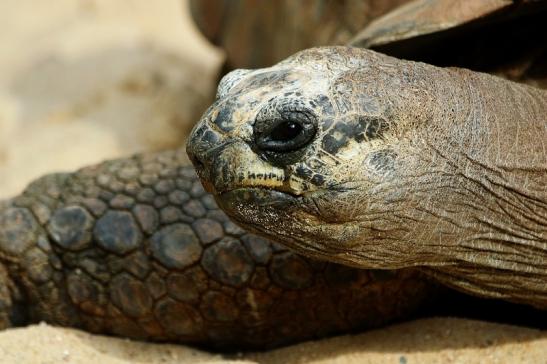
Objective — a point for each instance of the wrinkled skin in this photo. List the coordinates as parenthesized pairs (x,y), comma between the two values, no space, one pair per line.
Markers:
(351,156)
(135,247)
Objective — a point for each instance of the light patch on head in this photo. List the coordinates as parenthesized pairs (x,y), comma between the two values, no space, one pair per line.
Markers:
(242,128)
(262,175)
(350,152)
(298,186)
(229,81)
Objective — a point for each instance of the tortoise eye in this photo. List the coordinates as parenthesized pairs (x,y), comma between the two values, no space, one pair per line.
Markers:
(286,136)
(286,131)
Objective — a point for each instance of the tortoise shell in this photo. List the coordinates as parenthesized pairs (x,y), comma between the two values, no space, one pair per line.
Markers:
(507,38)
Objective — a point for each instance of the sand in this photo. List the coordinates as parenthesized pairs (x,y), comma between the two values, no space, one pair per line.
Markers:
(440,340)
(86,80)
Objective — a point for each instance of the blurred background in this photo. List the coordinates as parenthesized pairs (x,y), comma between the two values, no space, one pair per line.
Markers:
(86,80)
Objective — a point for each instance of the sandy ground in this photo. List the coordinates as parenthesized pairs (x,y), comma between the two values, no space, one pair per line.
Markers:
(426,341)
(86,80)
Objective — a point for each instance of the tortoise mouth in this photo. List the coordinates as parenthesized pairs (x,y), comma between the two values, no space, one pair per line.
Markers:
(258,196)
(258,204)
(292,220)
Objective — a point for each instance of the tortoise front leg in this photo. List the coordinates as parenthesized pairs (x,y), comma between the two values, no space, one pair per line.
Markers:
(12,312)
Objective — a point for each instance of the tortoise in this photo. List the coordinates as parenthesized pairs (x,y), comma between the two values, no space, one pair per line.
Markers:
(135,247)
(359,158)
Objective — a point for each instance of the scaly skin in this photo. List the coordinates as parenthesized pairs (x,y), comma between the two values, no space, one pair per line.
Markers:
(358,158)
(135,247)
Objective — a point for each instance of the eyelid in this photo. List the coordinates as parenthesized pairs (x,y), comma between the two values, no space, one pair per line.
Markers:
(296,113)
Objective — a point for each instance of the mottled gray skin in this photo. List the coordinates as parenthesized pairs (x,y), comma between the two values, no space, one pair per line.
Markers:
(410,165)
(136,248)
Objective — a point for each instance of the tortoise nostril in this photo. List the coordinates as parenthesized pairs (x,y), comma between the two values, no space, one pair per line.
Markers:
(195,159)
(198,164)
(194,156)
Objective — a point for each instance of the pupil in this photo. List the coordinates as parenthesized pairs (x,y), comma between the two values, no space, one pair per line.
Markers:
(286,131)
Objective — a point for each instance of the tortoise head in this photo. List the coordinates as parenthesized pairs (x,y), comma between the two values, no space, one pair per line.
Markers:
(303,151)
